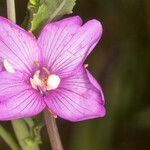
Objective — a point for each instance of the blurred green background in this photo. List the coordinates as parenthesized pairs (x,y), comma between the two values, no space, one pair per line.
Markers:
(121,63)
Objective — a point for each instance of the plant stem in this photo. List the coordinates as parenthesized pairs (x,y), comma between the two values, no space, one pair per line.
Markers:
(52,131)
(20,127)
(11,14)
(8,139)
(22,133)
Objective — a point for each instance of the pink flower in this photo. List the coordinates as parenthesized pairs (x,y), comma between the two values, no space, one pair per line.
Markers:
(49,72)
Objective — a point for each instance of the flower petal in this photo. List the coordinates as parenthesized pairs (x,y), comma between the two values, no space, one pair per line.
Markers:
(95,83)
(76,99)
(17,46)
(66,44)
(17,99)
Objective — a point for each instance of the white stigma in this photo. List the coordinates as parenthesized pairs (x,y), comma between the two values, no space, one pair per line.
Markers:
(53,82)
(8,66)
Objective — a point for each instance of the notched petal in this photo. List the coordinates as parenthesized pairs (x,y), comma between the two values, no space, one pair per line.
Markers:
(67,43)
(77,99)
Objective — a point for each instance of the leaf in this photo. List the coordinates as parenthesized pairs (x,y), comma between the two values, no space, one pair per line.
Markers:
(42,11)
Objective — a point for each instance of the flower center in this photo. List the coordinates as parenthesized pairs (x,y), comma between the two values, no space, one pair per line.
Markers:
(44,82)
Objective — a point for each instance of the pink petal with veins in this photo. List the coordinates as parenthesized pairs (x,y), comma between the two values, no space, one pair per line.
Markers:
(17,98)
(17,46)
(66,44)
(77,99)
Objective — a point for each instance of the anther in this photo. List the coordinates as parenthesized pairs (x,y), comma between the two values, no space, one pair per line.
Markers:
(52,113)
(37,63)
(8,66)
(46,71)
(33,83)
(86,65)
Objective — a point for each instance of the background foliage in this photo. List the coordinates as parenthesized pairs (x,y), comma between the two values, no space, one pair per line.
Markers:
(121,62)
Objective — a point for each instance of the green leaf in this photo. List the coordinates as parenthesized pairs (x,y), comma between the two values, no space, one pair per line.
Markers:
(42,11)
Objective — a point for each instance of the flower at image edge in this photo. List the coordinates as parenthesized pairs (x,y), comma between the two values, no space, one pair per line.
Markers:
(49,72)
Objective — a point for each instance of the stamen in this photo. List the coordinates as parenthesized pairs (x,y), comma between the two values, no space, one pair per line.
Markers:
(46,71)
(33,83)
(86,65)
(8,66)
(37,63)
(36,79)
(52,113)
(44,83)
